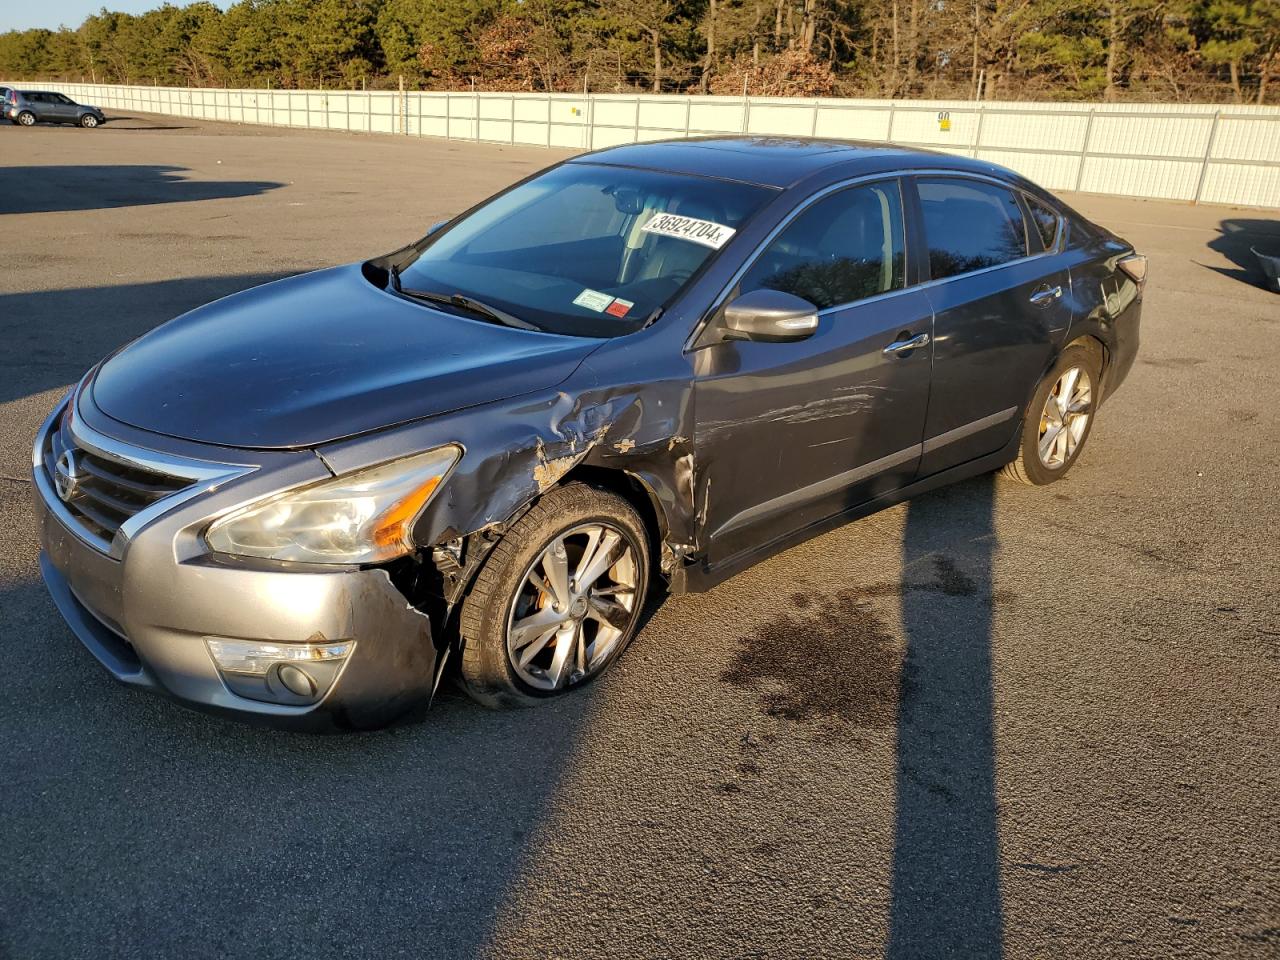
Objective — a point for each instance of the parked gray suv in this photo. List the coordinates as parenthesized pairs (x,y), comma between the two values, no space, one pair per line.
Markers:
(27,107)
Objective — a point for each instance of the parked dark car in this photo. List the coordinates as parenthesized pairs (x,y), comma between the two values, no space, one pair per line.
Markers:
(654,363)
(29,107)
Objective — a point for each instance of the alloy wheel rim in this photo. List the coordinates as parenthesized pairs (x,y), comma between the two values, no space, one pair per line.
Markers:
(27,120)
(90,121)
(575,603)
(1065,417)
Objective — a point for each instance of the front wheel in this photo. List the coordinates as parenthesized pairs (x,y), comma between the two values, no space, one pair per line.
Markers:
(558,599)
(88,121)
(27,119)
(1058,421)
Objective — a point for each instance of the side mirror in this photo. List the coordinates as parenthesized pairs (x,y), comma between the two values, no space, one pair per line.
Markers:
(770,316)
(436,226)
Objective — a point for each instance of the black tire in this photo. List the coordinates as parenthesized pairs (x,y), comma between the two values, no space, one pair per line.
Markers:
(1029,467)
(485,669)
(88,121)
(26,119)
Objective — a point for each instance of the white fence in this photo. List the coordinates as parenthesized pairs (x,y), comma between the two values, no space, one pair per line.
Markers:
(1197,153)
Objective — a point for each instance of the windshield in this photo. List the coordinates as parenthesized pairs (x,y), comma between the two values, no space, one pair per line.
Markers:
(585,250)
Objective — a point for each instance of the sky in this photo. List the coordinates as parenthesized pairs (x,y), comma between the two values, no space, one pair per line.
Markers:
(18,15)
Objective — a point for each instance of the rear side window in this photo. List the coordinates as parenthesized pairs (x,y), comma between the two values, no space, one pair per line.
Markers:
(970,225)
(843,248)
(1045,219)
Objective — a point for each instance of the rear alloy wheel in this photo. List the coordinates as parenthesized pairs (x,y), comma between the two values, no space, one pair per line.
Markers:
(88,121)
(1058,420)
(557,600)
(27,119)
(1065,418)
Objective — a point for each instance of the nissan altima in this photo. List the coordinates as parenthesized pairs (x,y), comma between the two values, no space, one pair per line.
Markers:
(646,367)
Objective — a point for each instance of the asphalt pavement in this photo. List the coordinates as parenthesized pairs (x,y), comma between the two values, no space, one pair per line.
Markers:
(995,721)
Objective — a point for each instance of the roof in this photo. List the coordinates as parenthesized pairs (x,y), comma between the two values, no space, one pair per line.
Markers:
(770,161)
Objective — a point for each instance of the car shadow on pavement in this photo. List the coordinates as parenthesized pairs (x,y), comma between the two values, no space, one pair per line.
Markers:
(126,811)
(945,893)
(1236,240)
(54,189)
(51,337)
(136,827)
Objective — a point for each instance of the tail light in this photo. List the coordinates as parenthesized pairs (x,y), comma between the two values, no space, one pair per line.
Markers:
(1135,267)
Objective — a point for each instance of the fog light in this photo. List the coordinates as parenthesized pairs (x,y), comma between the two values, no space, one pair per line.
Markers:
(289,673)
(296,681)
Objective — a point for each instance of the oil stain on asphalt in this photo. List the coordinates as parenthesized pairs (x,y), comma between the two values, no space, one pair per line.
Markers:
(832,656)
(835,656)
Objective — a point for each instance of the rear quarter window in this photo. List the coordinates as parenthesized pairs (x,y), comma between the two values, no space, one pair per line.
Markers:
(1079,233)
(1045,219)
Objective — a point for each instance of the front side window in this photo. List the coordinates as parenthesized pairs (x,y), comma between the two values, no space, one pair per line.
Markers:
(843,248)
(585,249)
(970,225)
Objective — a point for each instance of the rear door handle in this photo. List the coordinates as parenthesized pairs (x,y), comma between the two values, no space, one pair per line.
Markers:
(1046,295)
(900,347)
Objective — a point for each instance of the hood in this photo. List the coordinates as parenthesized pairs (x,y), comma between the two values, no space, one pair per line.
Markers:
(320,357)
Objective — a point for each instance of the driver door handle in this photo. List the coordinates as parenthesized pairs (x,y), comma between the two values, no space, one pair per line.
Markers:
(900,347)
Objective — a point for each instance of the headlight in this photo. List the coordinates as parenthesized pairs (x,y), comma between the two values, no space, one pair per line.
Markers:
(362,517)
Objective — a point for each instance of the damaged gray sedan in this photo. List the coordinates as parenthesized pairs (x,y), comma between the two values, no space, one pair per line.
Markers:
(654,364)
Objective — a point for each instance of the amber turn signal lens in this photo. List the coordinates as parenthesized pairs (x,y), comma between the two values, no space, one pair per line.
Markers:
(395,526)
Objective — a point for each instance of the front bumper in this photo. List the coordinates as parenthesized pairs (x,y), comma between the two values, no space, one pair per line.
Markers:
(145,606)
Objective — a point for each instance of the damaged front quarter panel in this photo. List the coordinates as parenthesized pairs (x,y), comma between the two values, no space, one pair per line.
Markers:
(515,450)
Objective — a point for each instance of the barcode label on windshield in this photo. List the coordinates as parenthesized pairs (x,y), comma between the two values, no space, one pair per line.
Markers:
(706,232)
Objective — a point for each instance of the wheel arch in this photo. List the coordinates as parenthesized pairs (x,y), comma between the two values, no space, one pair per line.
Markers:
(1098,347)
(636,491)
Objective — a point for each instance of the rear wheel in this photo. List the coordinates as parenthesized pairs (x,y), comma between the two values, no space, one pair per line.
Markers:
(1059,419)
(27,119)
(557,600)
(88,121)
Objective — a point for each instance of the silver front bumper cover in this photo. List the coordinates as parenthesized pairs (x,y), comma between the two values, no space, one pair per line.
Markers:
(145,608)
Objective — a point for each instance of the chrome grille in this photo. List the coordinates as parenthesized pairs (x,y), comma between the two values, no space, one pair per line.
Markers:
(102,492)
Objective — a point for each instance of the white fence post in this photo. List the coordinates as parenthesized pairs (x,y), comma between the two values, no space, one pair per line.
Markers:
(1084,148)
(1208,155)
(977,134)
